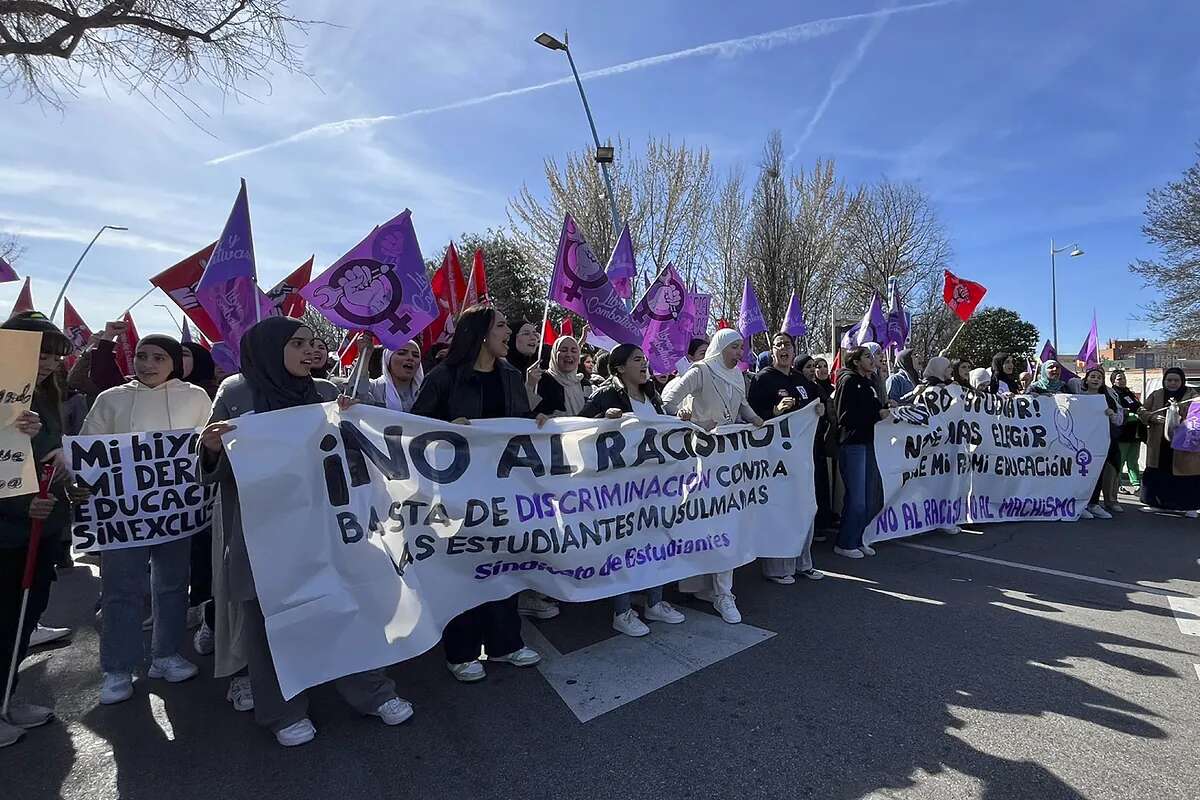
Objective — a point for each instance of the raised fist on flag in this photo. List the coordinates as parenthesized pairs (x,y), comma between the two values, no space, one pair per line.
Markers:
(962,296)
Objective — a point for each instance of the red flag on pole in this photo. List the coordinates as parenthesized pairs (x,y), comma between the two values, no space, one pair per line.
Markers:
(548,334)
(962,296)
(24,299)
(286,294)
(722,324)
(568,327)
(348,349)
(449,289)
(179,283)
(477,288)
(74,326)
(126,345)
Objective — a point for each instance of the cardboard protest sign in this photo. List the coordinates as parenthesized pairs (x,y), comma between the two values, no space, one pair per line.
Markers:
(372,529)
(19,351)
(144,489)
(958,456)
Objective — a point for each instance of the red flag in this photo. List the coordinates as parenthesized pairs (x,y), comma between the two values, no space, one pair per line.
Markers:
(836,365)
(179,283)
(568,327)
(548,334)
(962,296)
(722,324)
(449,289)
(348,349)
(477,288)
(74,326)
(126,345)
(286,294)
(24,300)
(205,343)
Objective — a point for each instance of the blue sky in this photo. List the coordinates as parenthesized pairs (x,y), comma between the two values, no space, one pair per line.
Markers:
(1023,120)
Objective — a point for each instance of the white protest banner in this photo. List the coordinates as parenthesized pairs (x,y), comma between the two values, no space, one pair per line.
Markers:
(19,351)
(957,455)
(369,530)
(144,489)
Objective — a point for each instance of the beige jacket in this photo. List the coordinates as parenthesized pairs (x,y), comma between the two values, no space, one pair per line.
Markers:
(1182,463)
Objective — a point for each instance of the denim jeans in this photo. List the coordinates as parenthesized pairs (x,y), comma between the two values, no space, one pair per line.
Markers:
(623,602)
(854,463)
(123,595)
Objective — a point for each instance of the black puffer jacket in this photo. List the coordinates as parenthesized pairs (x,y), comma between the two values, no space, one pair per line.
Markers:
(450,392)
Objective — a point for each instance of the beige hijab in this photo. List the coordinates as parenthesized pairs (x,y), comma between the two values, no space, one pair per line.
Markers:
(572,384)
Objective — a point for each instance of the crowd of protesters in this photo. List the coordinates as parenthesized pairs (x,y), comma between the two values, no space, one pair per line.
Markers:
(490,368)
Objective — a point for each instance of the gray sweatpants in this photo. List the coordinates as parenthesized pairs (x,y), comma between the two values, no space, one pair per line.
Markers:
(783,567)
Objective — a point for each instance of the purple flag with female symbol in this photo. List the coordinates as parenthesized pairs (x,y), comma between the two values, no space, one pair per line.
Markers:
(580,285)
(228,290)
(622,270)
(793,321)
(379,286)
(668,312)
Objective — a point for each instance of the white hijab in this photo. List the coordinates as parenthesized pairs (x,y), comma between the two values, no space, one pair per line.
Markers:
(391,394)
(714,359)
(573,395)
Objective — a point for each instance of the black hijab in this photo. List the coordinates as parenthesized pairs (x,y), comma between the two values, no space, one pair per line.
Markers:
(1176,395)
(515,357)
(172,347)
(905,359)
(204,369)
(998,374)
(262,367)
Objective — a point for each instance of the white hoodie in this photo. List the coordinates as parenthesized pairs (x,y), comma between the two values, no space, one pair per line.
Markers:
(135,407)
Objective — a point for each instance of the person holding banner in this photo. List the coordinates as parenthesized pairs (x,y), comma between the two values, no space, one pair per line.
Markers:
(1049,380)
(398,386)
(524,353)
(1093,383)
(717,391)
(476,382)
(779,389)
(1004,378)
(561,387)
(278,355)
(859,409)
(156,399)
(1171,480)
(630,390)
(960,371)
(901,383)
(1129,439)
(43,424)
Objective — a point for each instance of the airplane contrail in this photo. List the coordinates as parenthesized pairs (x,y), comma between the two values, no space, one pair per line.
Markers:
(804,31)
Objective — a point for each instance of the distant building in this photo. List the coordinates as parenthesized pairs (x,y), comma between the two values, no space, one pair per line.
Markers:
(1121,349)
(1140,353)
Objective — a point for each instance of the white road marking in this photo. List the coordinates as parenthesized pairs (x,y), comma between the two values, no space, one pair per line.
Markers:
(1047,571)
(601,677)
(1186,611)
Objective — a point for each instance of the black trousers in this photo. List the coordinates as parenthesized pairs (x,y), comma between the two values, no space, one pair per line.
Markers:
(824,497)
(200,586)
(495,627)
(12,568)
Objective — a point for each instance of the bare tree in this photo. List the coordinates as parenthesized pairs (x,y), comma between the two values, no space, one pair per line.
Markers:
(821,203)
(10,248)
(48,47)
(726,264)
(771,244)
(664,195)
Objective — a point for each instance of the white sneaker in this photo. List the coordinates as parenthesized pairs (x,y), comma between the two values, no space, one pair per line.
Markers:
(195,616)
(728,609)
(525,657)
(469,672)
(394,711)
(950,530)
(10,734)
(296,734)
(174,669)
(27,715)
(813,574)
(629,624)
(204,642)
(43,635)
(1191,514)
(530,605)
(786,580)
(240,693)
(1098,511)
(848,553)
(867,550)
(662,611)
(116,688)
(1087,513)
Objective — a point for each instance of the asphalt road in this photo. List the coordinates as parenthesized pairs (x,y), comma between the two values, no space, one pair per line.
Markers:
(916,674)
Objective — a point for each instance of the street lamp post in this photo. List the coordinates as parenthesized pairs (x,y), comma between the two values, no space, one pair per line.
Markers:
(604,155)
(167,309)
(71,275)
(1075,253)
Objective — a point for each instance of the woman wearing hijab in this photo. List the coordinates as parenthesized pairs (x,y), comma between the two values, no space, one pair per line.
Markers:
(199,369)
(398,386)
(155,399)
(1049,380)
(858,410)
(1004,377)
(937,373)
(806,367)
(477,382)
(1172,477)
(523,346)
(278,356)
(1106,479)
(826,444)
(44,425)
(779,389)
(901,383)
(561,389)
(631,391)
(1129,439)
(322,363)
(717,392)
(981,379)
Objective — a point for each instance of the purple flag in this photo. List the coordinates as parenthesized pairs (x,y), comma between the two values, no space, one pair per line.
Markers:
(580,285)
(702,303)
(379,286)
(1187,435)
(7,273)
(750,321)
(1048,354)
(228,290)
(871,328)
(897,320)
(667,310)
(1089,353)
(622,270)
(793,321)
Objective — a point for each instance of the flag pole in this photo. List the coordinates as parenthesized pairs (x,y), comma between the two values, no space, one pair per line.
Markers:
(140,299)
(946,349)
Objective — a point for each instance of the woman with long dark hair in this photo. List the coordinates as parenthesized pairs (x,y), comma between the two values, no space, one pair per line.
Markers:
(630,390)
(1106,478)
(476,382)
(859,409)
(278,356)
(960,371)
(1172,477)
(1004,375)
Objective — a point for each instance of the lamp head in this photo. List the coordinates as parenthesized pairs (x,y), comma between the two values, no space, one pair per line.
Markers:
(116,227)
(1075,251)
(549,42)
